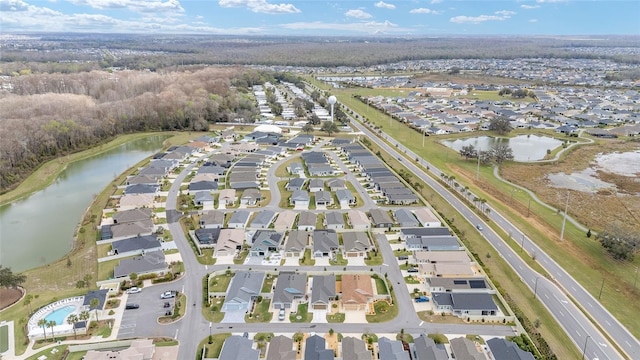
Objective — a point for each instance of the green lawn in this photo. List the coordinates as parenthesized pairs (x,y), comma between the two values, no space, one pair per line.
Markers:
(339,261)
(212,351)
(4,338)
(261,313)
(220,283)
(381,286)
(303,313)
(239,260)
(306,260)
(384,312)
(336,318)
(411,280)
(213,313)
(268,283)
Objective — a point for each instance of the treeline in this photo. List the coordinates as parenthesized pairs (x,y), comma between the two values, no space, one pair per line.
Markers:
(143,52)
(49,115)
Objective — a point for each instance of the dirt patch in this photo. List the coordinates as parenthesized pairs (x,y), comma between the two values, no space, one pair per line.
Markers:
(332,342)
(623,206)
(9,296)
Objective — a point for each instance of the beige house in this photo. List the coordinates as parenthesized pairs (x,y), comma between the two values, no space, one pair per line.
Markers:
(357,291)
(229,241)
(141,349)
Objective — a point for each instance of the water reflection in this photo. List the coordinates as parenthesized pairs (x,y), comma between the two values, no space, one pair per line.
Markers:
(525,147)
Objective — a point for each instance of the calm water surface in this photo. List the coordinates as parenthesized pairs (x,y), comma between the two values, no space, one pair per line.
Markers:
(39,229)
(525,148)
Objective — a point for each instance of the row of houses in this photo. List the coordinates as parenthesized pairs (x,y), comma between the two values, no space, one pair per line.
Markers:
(423,347)
(291,288)
(264,243)
(378,176)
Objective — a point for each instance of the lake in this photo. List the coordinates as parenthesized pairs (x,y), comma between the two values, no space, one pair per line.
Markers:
(525,147)
(39,229)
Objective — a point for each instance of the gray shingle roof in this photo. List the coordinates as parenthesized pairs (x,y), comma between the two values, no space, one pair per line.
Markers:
(290,285)
(324,288)
(502,349)
(244,285)
(238,348)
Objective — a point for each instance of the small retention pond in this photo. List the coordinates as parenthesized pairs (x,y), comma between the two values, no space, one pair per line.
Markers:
(525,147)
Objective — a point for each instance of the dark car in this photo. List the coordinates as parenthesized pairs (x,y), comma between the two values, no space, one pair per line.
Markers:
(167,304)
(131,306)
(413,270)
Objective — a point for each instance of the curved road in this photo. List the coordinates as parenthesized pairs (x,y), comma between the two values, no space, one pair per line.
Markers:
(576,324)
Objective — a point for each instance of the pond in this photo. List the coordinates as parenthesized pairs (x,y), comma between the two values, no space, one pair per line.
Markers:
(525,147)
(39,229)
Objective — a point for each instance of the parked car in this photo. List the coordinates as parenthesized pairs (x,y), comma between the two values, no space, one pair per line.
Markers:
(403,257)
(422,299)
(479,227)
(133,290)
(281,315)
(131,306)
(167,304)
(167,295)
(412,270)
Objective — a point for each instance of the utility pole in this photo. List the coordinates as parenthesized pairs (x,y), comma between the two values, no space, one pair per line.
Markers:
(564,220)
(529,208)
(522,245)
(478,167)
(535,288)
(584,350)
(601,287)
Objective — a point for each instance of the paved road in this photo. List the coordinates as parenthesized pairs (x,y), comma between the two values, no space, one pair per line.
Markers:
(575,323)
(191,329)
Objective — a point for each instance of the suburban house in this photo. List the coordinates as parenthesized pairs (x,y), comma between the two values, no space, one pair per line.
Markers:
(238,347)
(297,242)
(307,221)
(265,242)
(438,257)
(290,286)
(314,349)
(243,290)
(464,348)
(323,198)
(136,245)
(357,291)
(194,187)
(250,197)
(114,232)
(380,218)
(206,238)
(334,220)
(434,243)
(281,348)
(354,349)
(211,219)
(405,218)
(204,199)
(239,219)
(325,242)
(426,349)
(392,350)
(212,169)
(316,185)
(502,349)
(358,220)
(230,241)
(295,168)
(141,189)
(462,304)
(407,198)
(443,284)
(447,269)
(285,220)
(336,184)
(407,233)
(227,197)
(299,199)
(345,198)
(132,201)
(323,291)
(427,218)
(144,179)
(132,215)
(320,170)
(295,184)
(263,219)
(356,244)
(139,349)
(150,262)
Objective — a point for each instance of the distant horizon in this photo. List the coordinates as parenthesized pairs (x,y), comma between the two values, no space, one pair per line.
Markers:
(400,18)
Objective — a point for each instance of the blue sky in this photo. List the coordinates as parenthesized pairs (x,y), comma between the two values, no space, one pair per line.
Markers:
(315,17)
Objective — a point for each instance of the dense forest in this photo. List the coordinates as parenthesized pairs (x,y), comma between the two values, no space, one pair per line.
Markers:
(48,115)
(76,52)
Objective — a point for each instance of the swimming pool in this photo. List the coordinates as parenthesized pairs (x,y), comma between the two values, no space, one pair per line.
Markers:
(59,315)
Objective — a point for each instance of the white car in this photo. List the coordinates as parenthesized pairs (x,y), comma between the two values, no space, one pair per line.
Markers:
(167,295)
(133,290)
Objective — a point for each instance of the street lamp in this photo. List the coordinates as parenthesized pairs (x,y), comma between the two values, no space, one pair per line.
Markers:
(535,287)
(564,220)
(585,346)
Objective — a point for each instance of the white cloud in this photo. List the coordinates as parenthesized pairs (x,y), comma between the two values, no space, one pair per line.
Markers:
(358,14)
(17,15)
(533,20)
(261,6)
(505,13)
(499,16)
(134,5)
(369,27)
(551,1)
(423,11)
(529,7)
(436,1)
(384,5)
